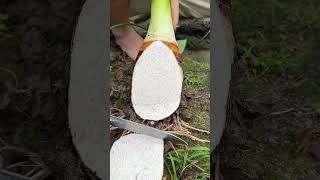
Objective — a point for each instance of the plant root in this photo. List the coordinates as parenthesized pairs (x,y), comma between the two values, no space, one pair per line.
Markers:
(29,165)
(174,124)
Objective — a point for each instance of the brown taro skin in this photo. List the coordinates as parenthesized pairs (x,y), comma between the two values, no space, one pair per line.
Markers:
(172,46)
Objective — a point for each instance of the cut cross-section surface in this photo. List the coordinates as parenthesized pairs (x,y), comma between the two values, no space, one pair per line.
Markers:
(156,83)
(137,157)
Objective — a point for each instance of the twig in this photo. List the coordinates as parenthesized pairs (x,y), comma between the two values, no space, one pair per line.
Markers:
(205,35)
(24,113)
(276,113)
(198,167)
(32,171)
(119,112)
(20,164)
(168,127)
(174,149)
(190,136)
(41,174)
(177,121)
(166,164)
(281,112)
(183,123)
(12,73)
(193,128)
(124,133)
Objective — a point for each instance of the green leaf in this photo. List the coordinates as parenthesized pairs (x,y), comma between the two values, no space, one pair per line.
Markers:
(143,34)
(125,25)
(181,45)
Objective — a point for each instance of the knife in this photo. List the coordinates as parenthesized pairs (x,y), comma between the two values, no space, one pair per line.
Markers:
(144,129)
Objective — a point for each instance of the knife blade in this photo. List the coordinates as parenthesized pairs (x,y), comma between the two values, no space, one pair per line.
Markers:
(144,129)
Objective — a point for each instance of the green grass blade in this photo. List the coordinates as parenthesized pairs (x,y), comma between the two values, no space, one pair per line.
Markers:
(173,167)
(201,155)
(200,148)
(185,158)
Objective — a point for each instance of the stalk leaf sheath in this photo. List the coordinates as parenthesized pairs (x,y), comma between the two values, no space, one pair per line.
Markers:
(160,27)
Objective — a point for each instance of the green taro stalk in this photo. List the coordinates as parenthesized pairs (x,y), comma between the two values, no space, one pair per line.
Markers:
(160,27)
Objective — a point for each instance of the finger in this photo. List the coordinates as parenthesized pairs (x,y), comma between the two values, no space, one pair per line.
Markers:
(175,13)
(119,11)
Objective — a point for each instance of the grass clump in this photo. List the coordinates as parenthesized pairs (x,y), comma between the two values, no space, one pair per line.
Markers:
(196,74)
(274,37)
(3,23)
(192,163)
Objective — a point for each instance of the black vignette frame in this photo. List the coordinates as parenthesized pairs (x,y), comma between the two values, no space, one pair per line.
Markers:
(223,58)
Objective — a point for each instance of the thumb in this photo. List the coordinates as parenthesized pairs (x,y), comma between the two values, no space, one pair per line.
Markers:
(175,13)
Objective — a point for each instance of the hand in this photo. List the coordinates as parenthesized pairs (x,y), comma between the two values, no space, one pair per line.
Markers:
(127,38)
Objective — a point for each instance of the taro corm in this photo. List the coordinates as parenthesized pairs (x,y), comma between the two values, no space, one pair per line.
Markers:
(157,77)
